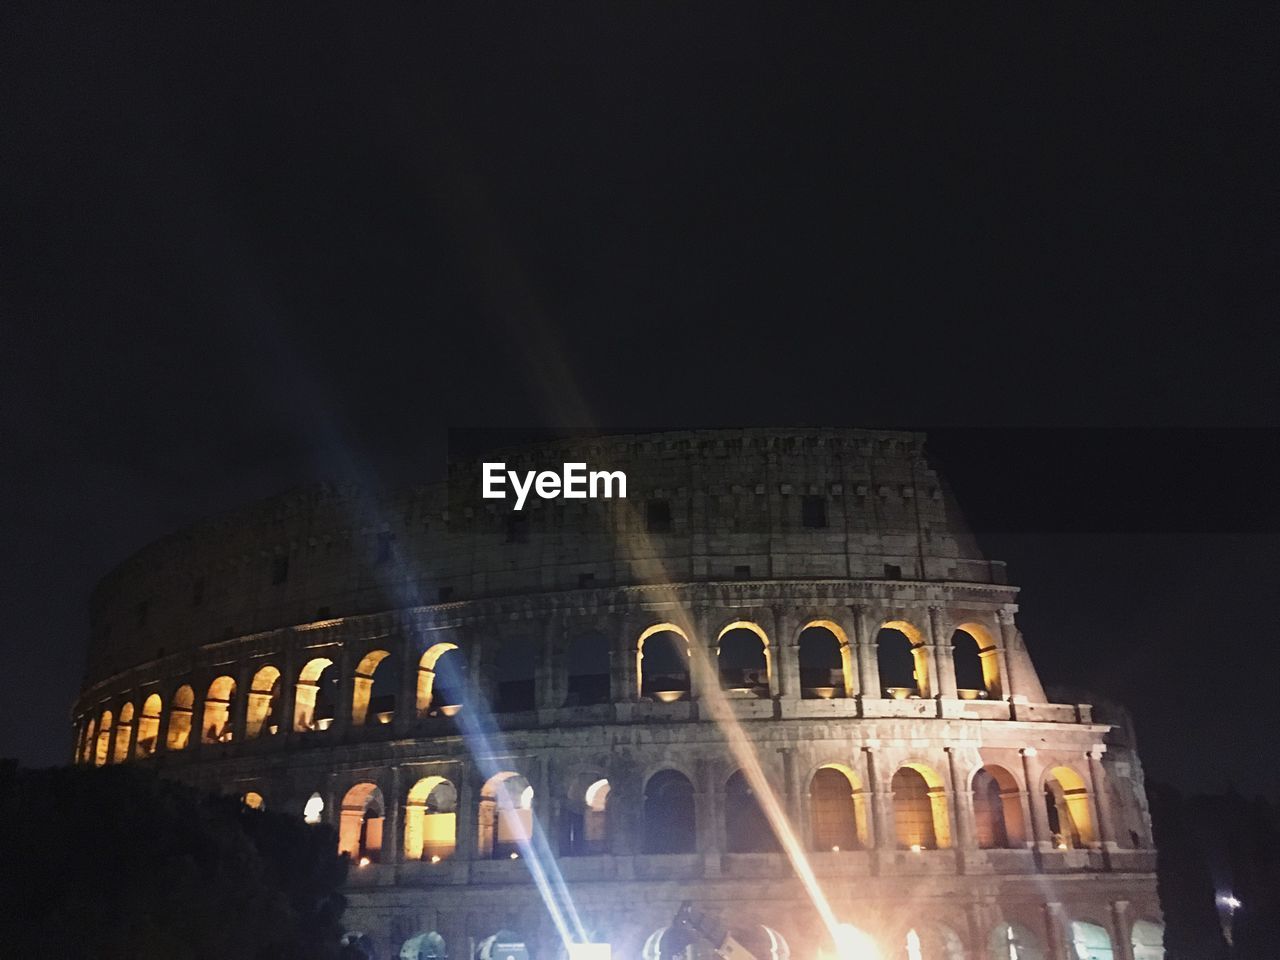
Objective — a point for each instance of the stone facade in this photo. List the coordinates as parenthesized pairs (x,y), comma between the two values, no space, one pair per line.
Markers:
(468,694)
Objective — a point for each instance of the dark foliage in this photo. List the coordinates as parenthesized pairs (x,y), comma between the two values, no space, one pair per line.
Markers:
(117,863)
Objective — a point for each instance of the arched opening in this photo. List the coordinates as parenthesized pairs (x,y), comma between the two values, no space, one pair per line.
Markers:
(253,800)
(373,698)
(977,662)
(431,820)
(932,942)
(669,824)
(997,809)
(1091,941)
(904,665)
(662,663)
(89,743)
(124,730)
(742,653)
(1147,939)
(360,824)
(920,808)
(505,817)
(1066,801)
(583,822)
(588,669)
(746,827)
(826,664)
(514,672)
(313,809)
(442,673)
(263,714)
(146,740)
(424,946)
(1012,941)
(315,696)
(837,810)
(101,755)
(179,735)
(219,718)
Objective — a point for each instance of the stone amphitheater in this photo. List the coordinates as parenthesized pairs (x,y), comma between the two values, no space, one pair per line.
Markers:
(563,723)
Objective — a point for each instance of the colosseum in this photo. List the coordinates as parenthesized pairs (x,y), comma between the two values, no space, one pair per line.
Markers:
(779,680)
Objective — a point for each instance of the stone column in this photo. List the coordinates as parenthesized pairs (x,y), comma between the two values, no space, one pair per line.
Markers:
(549,668)
(407,695)
(467,812)
(784,677)
(392,836)
(288,691)
(868,667)
(1055,929)
(342,718)
(1041,835)
(1100,800)
(704,672)
(162,728)
(944,662)
(963,804)
(881,802)
(624,677)
(240,708)
(1120,927)
(199,690)
(111,738)
(1008,636)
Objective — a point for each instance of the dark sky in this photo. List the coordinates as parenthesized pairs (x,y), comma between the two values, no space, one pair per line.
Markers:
(245,246)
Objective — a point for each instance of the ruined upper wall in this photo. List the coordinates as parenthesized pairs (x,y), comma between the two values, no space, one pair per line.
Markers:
(736,507)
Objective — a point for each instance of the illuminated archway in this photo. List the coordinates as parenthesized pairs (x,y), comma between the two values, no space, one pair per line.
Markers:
(974,648)
(263,714)
(997,809)
(179,735)
(669,815)
(146,740)
(373,697)
(1091,941)
(89,744)
(1066,800)
(662,663)
(1147,939)
(124,730)
(505,819)
(1012,941)
(903,660)
(218,723)
(441,680)
(583,820)
(360,824)
(826,661)
(431,820)
(921,819)
(837,810)
(742,656)
(101,754)
(315,696)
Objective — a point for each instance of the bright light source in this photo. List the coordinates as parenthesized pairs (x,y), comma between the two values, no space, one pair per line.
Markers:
(916,848)
(835,849)
(590,951)
(1229,901)
(435,858)
(514,855)
(364,861)
(853,944)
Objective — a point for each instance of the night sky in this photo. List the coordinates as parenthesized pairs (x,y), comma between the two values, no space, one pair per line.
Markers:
(247,246)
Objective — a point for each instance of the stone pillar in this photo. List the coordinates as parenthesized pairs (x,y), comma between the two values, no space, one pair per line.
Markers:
(1055,929)
(865,655)
(1120,927)
(467,813)
(784,677)
(944,662)
(549,676)
(240,708)
(408,650)
(624,676)
(1041,835)
(884,833)
(162,728)
(392,824)
(342,718)
(199,690)
(288,691)
(111,738)
(704,671)
(1008,636)
(1100,800)
(962,806)
(794,801)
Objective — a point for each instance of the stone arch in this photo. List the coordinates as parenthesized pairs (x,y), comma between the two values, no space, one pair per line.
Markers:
(180,715)
(373,695)
(997,808)
(826,661)
(89,740)
(921,818)
(101,753)
(670,817)
(837,809)
(124,730)
(146,740)
(1147,940)
(746,826)
(442,672)
(1013,941)
(1091,941)
(666,678)
(424,946)
(360,823)
(584,817)
(505,819)
(743,659)
(263,713)
(315,695)
(1067,803)
(513,660)
(973,646)
(253,800)
(218,724)
(903,661)
(587,670)
(431,820)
